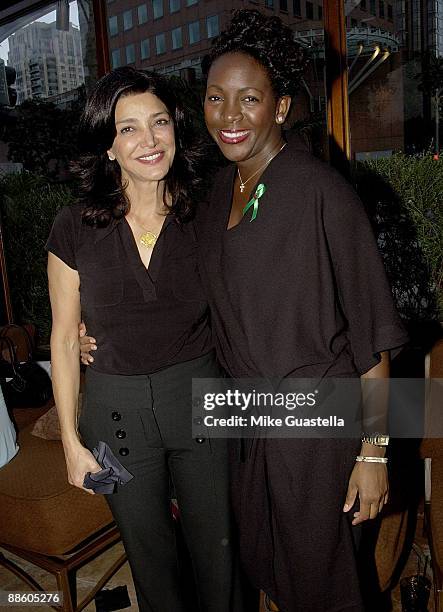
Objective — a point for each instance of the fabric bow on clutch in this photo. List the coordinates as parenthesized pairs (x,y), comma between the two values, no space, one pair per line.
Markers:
(112,474)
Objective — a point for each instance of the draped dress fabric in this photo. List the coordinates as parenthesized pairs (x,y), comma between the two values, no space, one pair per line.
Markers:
(298,292)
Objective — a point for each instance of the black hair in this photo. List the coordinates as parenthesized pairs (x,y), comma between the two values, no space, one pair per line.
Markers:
(100,186)
(269,42)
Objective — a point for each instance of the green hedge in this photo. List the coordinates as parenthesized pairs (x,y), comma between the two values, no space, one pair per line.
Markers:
(29,204)
(404,198)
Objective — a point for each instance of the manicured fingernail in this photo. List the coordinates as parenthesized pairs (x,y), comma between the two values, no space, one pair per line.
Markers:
(90,359)
(346,508)
(93,347)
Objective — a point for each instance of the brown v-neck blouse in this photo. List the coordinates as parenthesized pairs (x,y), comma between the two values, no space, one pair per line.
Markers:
(143,319)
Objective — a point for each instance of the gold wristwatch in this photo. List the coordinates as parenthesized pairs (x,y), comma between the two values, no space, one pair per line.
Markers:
(375,438)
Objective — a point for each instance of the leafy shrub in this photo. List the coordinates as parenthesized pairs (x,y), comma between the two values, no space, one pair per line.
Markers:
(28,207)
(404,198)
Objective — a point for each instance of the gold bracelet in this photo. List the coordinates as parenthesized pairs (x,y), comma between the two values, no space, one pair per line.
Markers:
(376,439)
(364,459)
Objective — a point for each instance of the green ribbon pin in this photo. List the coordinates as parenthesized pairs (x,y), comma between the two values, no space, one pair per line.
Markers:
(261,188)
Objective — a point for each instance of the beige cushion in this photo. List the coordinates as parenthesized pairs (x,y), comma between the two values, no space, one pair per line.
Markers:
(48,426)
(40,510)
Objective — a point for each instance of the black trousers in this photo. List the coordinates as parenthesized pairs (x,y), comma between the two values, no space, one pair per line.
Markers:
(146,421)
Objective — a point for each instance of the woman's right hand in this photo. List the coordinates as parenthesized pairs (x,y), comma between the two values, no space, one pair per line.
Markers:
(80,461)
(87,344)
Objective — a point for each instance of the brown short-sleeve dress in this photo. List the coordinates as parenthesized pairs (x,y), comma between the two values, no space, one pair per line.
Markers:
(300,291)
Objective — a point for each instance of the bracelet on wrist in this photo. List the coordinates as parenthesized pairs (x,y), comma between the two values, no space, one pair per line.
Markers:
(364,459)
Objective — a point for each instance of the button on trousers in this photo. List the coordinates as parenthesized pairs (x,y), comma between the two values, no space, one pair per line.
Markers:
(147,422)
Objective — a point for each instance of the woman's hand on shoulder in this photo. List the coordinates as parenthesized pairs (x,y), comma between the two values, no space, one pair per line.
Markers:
(87,344)
(80,461)
(370,482)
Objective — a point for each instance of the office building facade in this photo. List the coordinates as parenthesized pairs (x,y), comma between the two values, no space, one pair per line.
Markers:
(48,61)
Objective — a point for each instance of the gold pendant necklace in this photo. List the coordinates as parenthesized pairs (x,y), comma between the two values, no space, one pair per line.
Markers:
(148,239)
(243,183)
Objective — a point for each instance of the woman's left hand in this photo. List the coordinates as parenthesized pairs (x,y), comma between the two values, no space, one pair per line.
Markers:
(370,482)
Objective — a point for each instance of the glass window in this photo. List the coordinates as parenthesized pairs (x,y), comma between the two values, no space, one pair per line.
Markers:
(50,69)
(320,13)
(296,7)
(191,2)
(283,5)
(394,126)
(309,10)
(160,44)
(177,38)
(363,4)
(213,26)
(372,9)
(142,14)
(194,32)
(127,20)
(113,25)
(157,7)
(130,54)
(144,49)
(381,8)
(269,4)
(174,6)
(390,12)
(115,58)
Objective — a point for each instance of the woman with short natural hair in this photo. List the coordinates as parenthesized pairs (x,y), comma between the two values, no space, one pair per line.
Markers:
(297,289)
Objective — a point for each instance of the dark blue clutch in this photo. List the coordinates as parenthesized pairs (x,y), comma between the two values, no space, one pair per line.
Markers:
(112,474)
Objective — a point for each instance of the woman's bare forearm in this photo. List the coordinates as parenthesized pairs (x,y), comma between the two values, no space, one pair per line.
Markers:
(66,384)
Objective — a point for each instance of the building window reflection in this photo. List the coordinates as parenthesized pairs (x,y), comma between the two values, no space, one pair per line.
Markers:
(142,14)
(113,25)
(157,8)
(115,58)
(174,6)
(144,49)
(127,20)
(194,32)
(213,26)
(130,54)
(160,44)
(177,38)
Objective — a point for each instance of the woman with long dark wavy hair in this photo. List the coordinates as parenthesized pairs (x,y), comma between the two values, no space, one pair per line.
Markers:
(124,259)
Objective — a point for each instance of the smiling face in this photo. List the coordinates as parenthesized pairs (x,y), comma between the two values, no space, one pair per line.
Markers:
(242,113)
(144,145)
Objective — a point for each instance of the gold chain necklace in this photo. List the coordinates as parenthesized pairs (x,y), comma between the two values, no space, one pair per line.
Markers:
(243,183)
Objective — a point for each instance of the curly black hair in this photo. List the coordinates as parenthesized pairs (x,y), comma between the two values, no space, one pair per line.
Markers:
(100,187)
(267,40)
